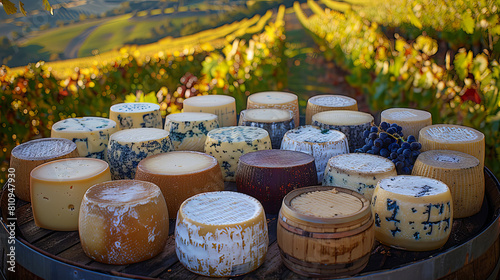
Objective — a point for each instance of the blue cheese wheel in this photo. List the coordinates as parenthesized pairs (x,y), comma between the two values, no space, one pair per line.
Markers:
(413,213)
(189,130)
(221,105)
(90,134)
(136,115)
(327,102)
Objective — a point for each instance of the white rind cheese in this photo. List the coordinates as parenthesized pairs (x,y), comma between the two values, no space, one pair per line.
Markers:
(277,100)
(326,102)
(411,120)
(189,130)
(136,115)
(223,106)
(275,121)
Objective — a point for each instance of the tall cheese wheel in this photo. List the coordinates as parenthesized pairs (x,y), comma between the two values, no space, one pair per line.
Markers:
(136,115)
(221,105)
(123,222)
(90,134)
(227,144)
(358,172)
(325,102)
(276,100)
(181,175)
(351,123)
(28,155)
(322,144)
(221,234)
(412,212)
(128,147)
(461,172)
(411,120)
(453,137)
(189,130)
(275,121)
(57,189)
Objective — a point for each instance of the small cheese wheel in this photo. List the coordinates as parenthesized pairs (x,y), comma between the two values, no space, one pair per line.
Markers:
(123,222)
(25,157)
(128,147)
(227,144)
(453,137)
(411,120)
(223,106)
(221,234)
(189,130)
(181,175)
(275,121)
(322,144)
(326,102)
(461,172)
(57,189)
(90,134)
(412,212)
(276,100)
(136,115)
(351,123)
(358,172)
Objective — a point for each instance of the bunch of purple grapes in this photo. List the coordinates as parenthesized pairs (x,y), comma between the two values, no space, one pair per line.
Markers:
(387,141)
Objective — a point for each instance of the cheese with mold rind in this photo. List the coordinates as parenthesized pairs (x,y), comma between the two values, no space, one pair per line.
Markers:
(276,100)
(326,102)
(189,130)
(136,115)
(275,121)
(223,106)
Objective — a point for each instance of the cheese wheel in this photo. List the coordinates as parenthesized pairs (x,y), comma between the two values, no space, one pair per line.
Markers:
(128,147)
(411,120)
(181,175)
(223,106)
(412,212)
(322,144)
(276,100)
(221,234)
(275,121)
(136,115)
(461,172)
(189,130)
(358,172)
(28,155)
(227,144)
(351,123)
(90,134)
(325,102)
(123,222)
(57,189)
(453,137)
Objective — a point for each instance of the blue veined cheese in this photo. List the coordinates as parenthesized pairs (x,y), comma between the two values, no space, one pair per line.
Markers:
(128,147)
(189,130)
(413,213)
(275,100)
(221,234)
(322,144)
(227,144)
(136,115)
(221,105)
(358,172)
(90,134)
(326,102)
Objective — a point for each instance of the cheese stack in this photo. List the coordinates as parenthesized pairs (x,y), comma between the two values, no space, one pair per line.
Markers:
(221,105)
(359,172)
(57,189)
(276,100)
(128,147)
(181,175)
(25,157)
(136,115)
(461,172)
(325,102)
(322,144)
(188,131)
(412,212)
(275,121)
(221,234)
(453,137)
(351,123)
(411,120)
(123,222)
(227,144)
(90,134)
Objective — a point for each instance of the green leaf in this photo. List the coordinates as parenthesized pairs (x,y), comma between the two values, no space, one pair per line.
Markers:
(468,23)
(413,19)
(21,8)
(9,7)
(426,44)
(480,64)
(462,62)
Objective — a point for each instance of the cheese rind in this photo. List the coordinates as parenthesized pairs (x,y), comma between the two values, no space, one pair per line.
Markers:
(411,120)
(325,102)
(189,130)
(223,106)
(275,121)
(276,100)
(136,115)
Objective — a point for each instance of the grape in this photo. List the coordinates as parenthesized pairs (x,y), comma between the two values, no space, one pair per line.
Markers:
(394,155)
(384,126)
(399,164)
(366,133)
(378,143)
(406,170)
(366,148)
(375,150)
(373,135)
(392,130)
(384,152)
(394,125)
(383,135)
(401,157)
(411,139)
(400,150)
(393,147)
(387,141)
(374,129)
(370,152)
(415,146)
(407,153)
(405,145)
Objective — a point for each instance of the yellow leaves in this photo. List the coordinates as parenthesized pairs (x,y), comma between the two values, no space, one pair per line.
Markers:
(21,8)
(9,7)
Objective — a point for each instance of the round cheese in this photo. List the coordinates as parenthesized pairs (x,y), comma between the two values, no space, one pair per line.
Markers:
(275,121)
(57,189)
(411,120)
(221,234)
(189,130)
(123,222)
(325,102)
(223,106)
(276,100)
(136,115)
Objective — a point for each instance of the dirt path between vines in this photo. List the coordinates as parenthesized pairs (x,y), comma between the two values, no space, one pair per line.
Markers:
(76,43)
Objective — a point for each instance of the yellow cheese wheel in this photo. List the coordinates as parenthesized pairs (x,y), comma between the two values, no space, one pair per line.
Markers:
(189,130)
(411,120)
(276,100)
(326,102)
(223,106)
(136,115)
